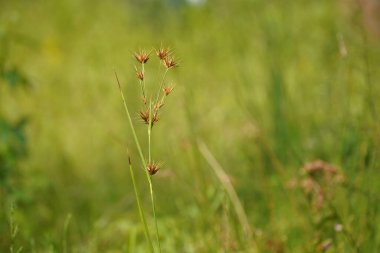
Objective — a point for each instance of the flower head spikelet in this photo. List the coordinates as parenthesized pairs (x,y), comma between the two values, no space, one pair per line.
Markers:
(170,62)
(142,56)
(152,168)
(140,75)
(155,117)
(144,115)
(163,53)
(167,90)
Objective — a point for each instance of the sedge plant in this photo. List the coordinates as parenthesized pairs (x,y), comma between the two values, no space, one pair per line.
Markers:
(149,115)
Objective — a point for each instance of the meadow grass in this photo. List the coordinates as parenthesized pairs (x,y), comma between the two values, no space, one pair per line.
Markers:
(270,142)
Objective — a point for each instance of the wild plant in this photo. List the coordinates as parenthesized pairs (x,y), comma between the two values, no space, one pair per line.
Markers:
(149,115)
(319,184)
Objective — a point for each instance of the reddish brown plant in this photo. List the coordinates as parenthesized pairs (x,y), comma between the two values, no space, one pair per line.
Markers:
(169,62)
(152,168)
(142,56)
(167,90)
(163,53)
(144,115)
(140,75)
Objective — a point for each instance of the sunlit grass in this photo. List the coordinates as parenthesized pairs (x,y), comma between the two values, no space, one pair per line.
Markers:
(267,86)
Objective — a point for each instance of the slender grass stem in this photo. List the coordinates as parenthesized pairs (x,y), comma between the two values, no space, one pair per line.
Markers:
(150,132)
(130,123)
(149,178)
(143,81)
(141,156)
(131,169)
(161,85)
(226,183)
(141,210)
(142,90)
(154,216)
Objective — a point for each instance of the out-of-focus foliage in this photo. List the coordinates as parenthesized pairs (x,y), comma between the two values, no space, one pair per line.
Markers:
(268,85)
(12,146)
(13,141)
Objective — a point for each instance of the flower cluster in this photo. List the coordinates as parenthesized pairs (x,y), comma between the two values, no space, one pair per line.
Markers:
(152,104)
(319,178)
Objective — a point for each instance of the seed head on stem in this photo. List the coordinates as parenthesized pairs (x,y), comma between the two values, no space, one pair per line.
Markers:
(144,115)
(152,168)
(142,56)
(163,53)
(167,90)
(170,62)
(140,75)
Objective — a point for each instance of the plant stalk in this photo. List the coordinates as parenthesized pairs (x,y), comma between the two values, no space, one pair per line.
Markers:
(141,211)
(141,156)
(149,177)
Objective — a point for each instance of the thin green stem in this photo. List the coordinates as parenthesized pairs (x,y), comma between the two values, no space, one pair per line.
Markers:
(143,81)
(141,156)
(161,85)
(141,210)
(142,87)
(149,178)
(150,159)
(149,132)
(230,190)
(131,123)
(154,216)
(142,90)
(142,160)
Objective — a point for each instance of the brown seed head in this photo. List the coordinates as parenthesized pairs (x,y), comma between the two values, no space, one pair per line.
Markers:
(144,115)
(163,53)
(152,168)
(155,117)
(169,62)
(140,75)
(167,90)
(142,56)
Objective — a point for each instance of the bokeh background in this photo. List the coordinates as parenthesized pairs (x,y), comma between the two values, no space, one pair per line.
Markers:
(267,86)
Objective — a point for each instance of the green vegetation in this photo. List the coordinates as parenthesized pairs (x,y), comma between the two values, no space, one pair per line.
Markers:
(269,143)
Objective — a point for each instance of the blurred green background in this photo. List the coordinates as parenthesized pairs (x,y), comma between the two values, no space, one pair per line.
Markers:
(266,85)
